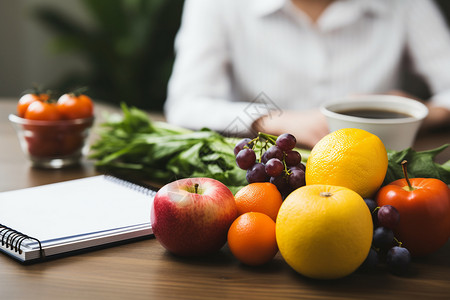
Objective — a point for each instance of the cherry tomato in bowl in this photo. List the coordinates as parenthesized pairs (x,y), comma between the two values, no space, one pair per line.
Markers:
(29,98)
(75,106)
(53,144)
(53,133)
(42,110)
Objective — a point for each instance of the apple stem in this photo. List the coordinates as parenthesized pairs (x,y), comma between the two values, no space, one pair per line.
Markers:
(404,163)
(196,188)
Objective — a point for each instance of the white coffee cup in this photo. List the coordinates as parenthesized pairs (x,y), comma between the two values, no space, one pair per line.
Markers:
(397,133)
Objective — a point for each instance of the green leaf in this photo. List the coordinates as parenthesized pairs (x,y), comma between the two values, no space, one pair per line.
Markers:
(163,152)
(420,165)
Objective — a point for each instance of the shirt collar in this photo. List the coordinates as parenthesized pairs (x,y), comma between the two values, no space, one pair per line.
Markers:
(342,13)
(377,7)
(267,7)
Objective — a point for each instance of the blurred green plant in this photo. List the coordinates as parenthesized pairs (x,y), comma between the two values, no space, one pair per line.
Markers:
(128,49)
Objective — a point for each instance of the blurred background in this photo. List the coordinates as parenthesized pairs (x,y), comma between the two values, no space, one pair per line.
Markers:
(122,50)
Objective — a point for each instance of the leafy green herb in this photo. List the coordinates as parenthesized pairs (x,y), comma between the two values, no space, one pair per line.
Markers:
(420,165)
(162,153)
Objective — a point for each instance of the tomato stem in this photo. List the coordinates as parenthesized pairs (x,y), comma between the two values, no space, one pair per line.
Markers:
(79,91)
(405,173)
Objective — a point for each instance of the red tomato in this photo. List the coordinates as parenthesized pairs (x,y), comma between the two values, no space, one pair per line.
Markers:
(42,146)
(71,143)
(39,110)
(424,207)
(74,106)
(27,99)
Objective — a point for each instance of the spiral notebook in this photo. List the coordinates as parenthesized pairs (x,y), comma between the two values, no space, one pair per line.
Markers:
(61,218)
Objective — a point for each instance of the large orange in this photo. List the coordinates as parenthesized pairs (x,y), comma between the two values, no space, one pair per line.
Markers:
(251,238)
(349,157)
(262,197)
(323,231)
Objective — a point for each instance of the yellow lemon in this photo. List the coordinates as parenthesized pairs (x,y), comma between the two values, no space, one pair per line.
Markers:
(349,157)
(324,231)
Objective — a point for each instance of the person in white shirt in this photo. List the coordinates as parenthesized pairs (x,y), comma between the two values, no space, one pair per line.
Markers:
(244,66)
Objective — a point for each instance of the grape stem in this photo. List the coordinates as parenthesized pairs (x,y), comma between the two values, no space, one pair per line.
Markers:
(273,139)
(263,148)
(269,137)
(286,170)
(253,142)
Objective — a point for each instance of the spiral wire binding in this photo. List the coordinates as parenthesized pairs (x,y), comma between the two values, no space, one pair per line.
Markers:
(13,239)
(142,188)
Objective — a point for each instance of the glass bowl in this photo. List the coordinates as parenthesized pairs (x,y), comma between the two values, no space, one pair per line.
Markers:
(53,144)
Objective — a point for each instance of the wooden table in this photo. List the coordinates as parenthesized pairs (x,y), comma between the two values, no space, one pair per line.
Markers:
(144,270)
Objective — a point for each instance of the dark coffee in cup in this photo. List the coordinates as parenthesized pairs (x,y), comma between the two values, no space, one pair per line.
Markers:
(394,119)
(372,113)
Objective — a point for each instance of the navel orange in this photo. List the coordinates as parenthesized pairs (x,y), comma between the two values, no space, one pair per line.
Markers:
(323,231)
(350,157)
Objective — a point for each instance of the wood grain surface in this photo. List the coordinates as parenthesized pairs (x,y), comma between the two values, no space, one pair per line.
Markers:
(145,270)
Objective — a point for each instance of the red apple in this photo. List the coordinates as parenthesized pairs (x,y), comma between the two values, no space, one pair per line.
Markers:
(191,217)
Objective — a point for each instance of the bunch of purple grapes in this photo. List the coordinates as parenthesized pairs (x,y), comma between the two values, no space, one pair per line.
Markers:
(277,161)
(384,244)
